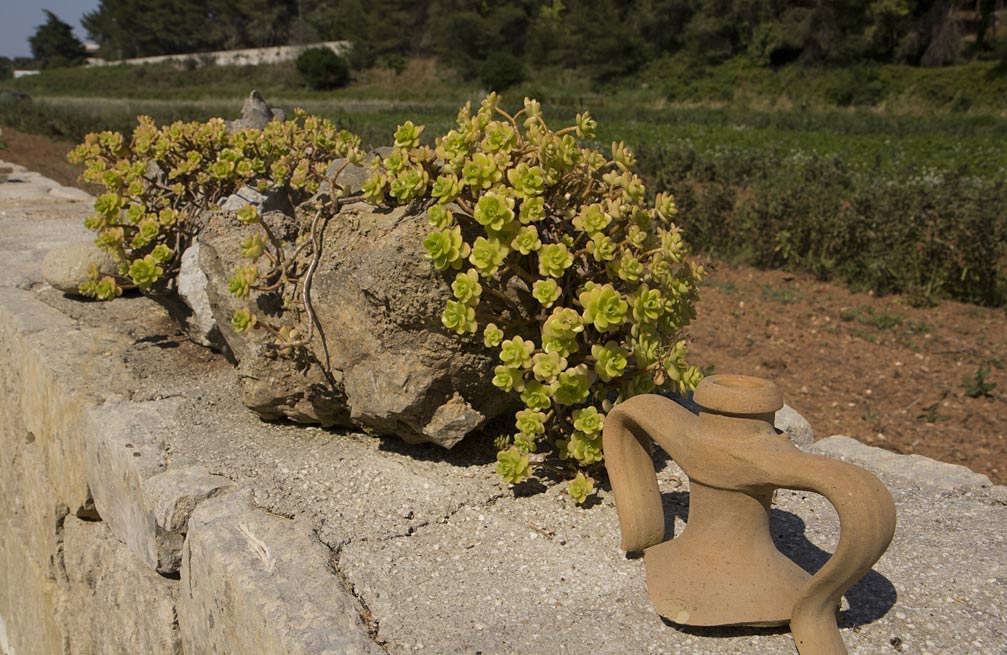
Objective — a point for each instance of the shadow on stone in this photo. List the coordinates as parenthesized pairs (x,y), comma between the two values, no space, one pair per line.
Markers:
(159,340)
(476,449)
(530,487)
(727,630)
(870,598)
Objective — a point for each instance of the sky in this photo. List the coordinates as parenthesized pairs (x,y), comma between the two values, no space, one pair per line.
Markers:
(19,18)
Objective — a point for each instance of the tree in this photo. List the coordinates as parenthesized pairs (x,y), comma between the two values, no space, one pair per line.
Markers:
(323,69)
(54,43)
(140,28)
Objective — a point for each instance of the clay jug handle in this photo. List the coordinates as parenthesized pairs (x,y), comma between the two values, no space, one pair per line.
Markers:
(866,526)
(626,442)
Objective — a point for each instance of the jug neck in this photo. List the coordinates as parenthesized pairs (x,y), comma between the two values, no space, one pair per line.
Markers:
(737,425)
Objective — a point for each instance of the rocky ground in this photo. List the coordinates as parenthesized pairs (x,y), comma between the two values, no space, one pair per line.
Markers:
(930,381)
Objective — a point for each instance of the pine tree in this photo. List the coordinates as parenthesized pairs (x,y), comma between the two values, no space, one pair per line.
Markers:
(54,44)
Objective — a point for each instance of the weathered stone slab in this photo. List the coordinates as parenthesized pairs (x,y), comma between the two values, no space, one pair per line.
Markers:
(922,470)
(51,412)
(110,603)
(256,584)
(35,514)
(172,496)
(126,450)
(28,600)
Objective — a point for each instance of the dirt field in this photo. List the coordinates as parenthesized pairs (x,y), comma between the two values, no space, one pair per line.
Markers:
(930,381)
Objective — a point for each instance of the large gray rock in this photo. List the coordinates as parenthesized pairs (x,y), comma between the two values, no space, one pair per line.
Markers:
(386,364)
(255,114)
(795,426)
(921,470)
(66,267)
(201,326)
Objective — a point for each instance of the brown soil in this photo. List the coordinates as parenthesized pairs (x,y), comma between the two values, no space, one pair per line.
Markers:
(872,368)
(43,155)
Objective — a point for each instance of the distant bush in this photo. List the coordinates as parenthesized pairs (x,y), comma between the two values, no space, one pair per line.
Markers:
(323,69)
(500,71)
(925,233)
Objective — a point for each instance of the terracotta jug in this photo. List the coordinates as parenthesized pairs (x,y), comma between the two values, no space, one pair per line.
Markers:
(724,568)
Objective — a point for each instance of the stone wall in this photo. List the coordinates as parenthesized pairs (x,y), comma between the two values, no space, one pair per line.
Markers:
(97,550)
(242,57)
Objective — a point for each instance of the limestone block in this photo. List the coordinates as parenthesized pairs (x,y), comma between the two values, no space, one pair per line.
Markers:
(257,584)
(66,267)
(120,456)
(796,427)
(172,496)
(110,603)
(35,514)
(28,601)
(146,507)
(921,470)
(43,352)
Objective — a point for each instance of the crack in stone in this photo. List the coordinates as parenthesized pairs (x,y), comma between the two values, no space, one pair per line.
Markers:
(58,562)
(443,520)
(371,622)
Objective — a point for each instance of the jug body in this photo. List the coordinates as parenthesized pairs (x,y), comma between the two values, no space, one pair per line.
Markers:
(724,568)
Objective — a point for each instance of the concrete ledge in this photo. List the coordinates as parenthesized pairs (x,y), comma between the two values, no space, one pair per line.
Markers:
(223,534)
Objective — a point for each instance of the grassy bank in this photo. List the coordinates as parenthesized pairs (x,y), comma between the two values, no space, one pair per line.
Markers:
(978,87)
(895,201)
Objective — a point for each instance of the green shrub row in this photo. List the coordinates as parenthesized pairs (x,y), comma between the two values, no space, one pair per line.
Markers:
(923,232)
(895,204)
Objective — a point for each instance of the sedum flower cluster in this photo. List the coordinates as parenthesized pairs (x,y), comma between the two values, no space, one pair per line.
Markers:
(161,178)
(585,281)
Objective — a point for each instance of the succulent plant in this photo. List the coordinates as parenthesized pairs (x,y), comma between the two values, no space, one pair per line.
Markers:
(593,279)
